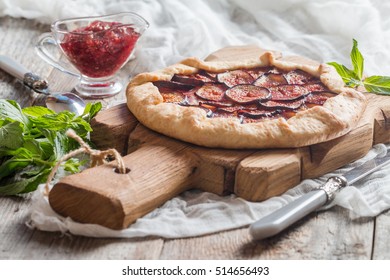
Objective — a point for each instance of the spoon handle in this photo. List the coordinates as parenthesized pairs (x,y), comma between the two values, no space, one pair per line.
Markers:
(20,72)
(13,67)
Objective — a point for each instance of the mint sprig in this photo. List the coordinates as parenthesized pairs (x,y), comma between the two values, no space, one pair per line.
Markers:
(33,139)
(354,77)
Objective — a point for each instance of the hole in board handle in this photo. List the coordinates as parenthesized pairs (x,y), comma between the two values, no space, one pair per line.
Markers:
(116,170)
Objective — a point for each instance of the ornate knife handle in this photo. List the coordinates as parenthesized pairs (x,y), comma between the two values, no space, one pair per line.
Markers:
(332,186)
(297,209)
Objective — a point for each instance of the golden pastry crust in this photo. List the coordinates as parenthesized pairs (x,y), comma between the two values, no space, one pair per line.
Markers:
(336,117)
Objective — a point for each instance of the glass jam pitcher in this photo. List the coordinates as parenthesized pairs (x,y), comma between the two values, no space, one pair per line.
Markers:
(97,47)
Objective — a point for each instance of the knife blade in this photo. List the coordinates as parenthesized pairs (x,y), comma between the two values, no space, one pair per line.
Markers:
(284,217)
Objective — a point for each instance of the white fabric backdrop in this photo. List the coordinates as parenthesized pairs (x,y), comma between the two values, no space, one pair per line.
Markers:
(321,30)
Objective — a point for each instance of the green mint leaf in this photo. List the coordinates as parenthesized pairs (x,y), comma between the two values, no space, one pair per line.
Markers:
(345,73)
(61,145)
(9,109)
(353,83)
(377,84)
(11,135)
(95,108)
(13,165)
(55,122)
(91,111)
(72,165)
(357,61)
(33,147)
(17,185)
(46,147)
(37,111)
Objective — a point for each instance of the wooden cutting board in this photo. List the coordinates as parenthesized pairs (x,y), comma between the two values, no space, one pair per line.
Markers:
(162,167)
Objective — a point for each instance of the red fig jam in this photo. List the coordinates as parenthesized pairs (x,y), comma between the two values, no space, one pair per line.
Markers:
(101,48)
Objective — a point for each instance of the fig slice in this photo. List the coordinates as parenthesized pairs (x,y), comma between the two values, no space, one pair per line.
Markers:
(170,97)
(196,79)
(168,86)
(315,87)
(319,98)
(206,77)
(288,92)
(210,75)
(218,103)
(190,99)
(298,77)
(230,109)
(288,114)
(238,108)
(211,92)
(245,94)
(259,113)
(270,80)
(286,105)
(187,80)
(257,72)
(235,77)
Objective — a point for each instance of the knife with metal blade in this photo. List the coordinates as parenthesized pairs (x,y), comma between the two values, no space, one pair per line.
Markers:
(284,217)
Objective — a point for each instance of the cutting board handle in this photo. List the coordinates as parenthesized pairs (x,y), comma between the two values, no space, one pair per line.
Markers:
(100,195)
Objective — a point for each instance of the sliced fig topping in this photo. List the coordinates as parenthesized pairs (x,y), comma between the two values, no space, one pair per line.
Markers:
(236,77)
(288,92)
(244,94)
(196,79)
(207,106)
(212,76)
(270,80)
(218,103)
(315,87)
(206,77)
(286,105)
(250,95)
(168,86)
(231,109)
(260,113)
(238,108)
(257,72)
(187,79)
(298,77)
(173,97)
(288,114)
(211,92)
(319,98)
(190,99)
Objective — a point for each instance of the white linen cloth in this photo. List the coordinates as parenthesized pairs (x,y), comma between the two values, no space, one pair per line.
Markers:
(320,30)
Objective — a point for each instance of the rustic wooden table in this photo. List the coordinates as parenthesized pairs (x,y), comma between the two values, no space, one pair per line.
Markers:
(326,235)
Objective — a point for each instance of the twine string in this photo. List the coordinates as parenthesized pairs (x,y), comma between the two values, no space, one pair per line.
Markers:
(97,157)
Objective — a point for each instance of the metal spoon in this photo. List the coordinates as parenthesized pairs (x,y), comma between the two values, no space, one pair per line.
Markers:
(55,101)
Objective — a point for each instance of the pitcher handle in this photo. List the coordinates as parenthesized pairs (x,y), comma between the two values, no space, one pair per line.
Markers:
(47,39)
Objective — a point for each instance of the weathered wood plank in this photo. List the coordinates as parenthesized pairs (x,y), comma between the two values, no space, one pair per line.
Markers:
(20,242)
(381,248)
(323,235)
(320,236)
(45,245)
